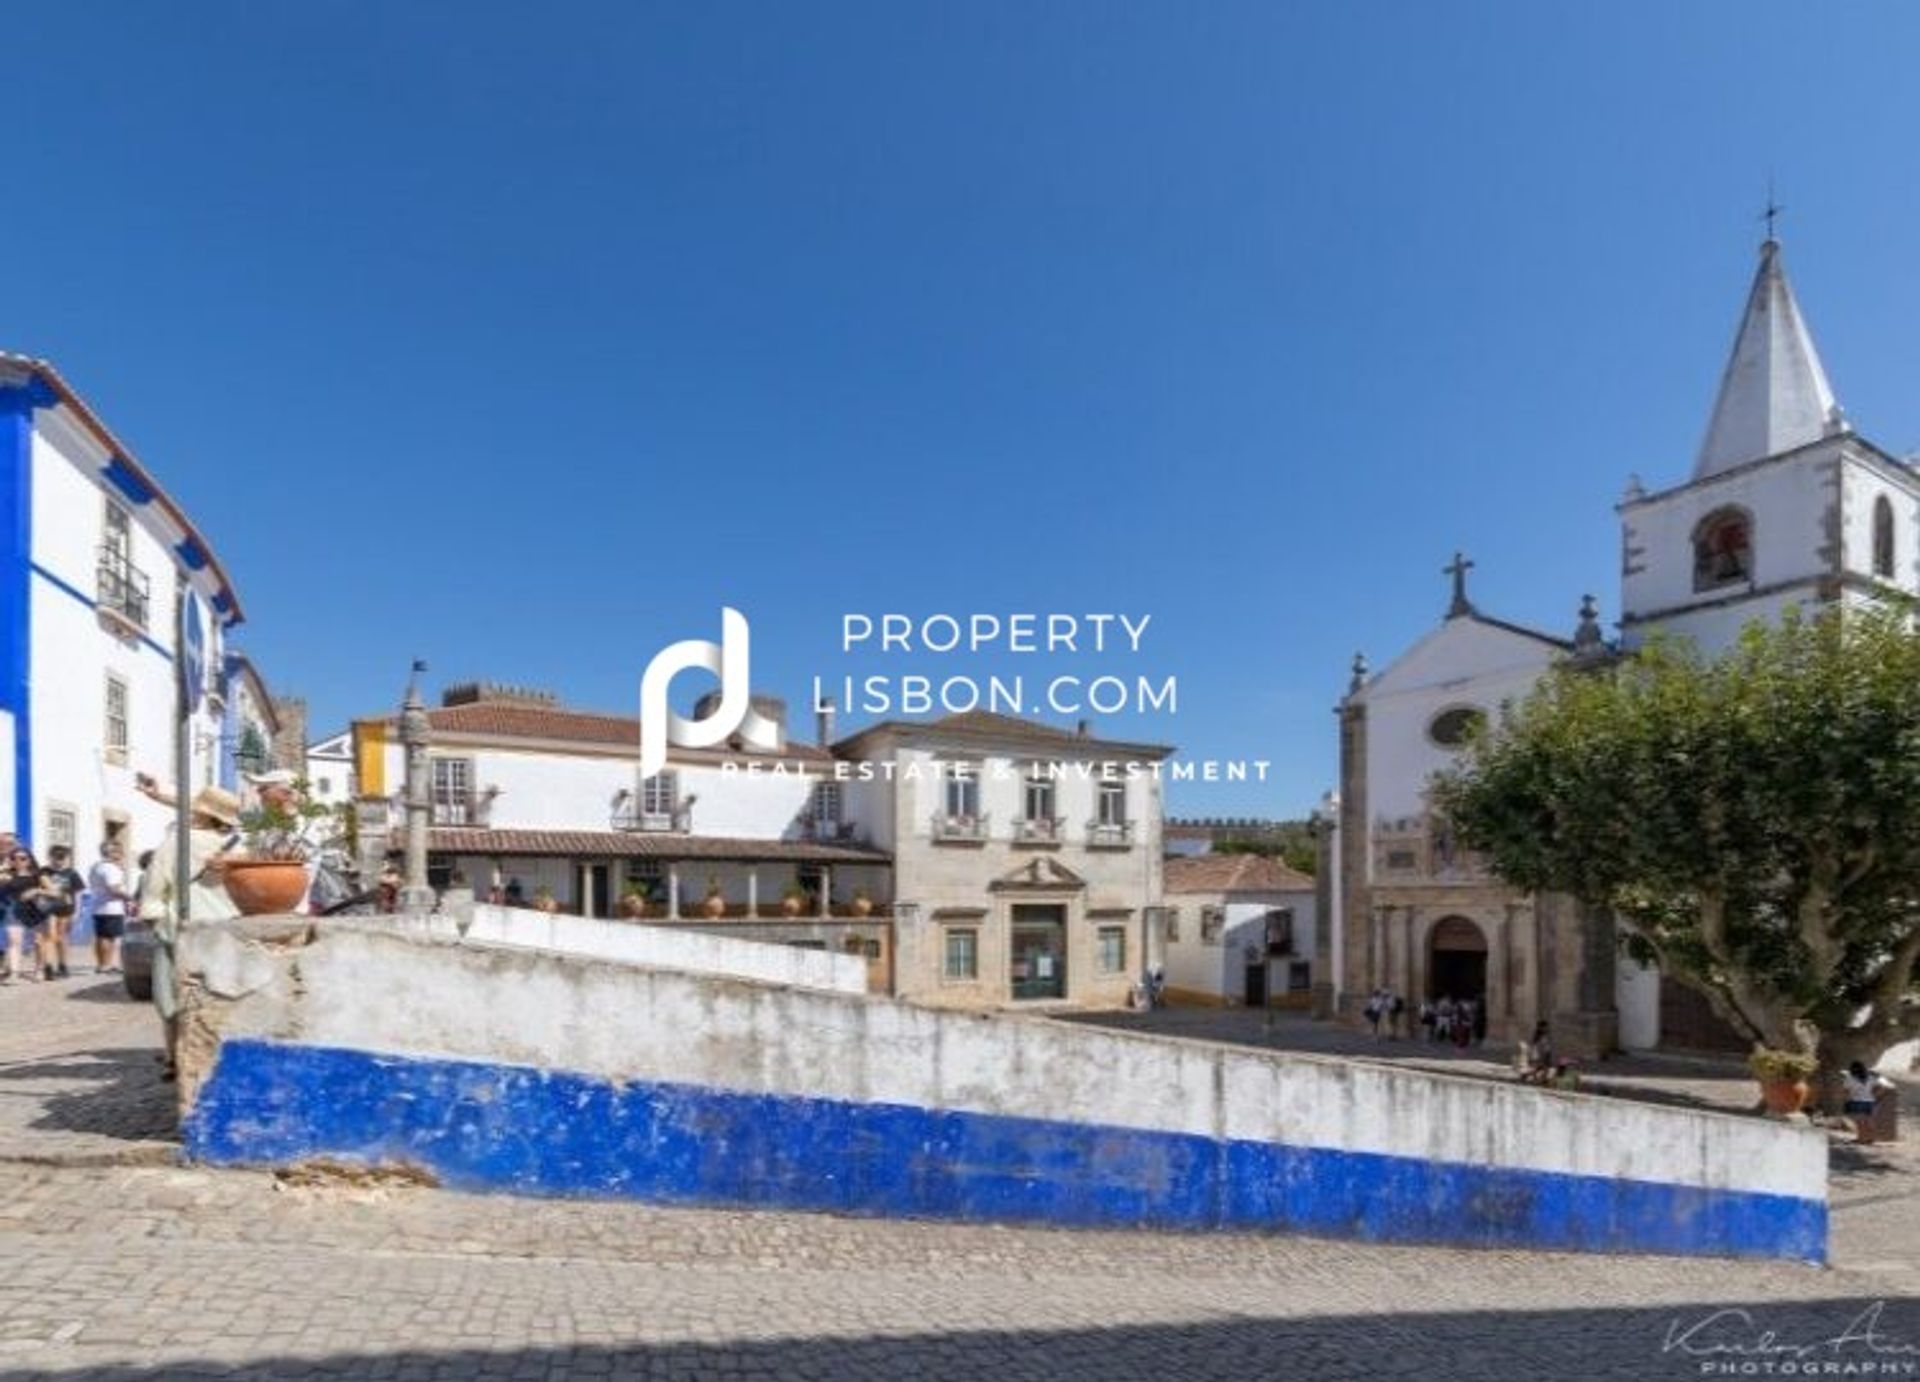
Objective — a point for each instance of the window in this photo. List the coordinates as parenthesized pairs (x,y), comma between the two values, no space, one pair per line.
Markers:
(826,803)
(1172,914)
(62,828)
(1113,804)
(1723,549)
(1280,931)
(116,531)
(121,586)
(1039,799)
(323,786)
(963,954)
(1453,727)
(659,795)
(452,790)
(1113,949)
(1299,976)
(962,791)
(116,732)
(1883,537)
(1213,921)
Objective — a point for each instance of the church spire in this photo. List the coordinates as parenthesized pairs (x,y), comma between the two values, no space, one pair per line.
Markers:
(1774,395)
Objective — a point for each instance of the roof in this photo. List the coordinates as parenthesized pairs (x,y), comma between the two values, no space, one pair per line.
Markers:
(501,720)
(987,728)
(134,485)
(1232,873)
(1774,395)
(619,844)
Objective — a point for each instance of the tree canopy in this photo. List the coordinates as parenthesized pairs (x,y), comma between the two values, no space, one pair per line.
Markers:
(1752,821)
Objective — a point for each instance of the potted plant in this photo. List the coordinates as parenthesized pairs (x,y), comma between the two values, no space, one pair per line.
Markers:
(792,900)
(544,900)
(714,904)
(269,874)
(1783,1077)
(862,902)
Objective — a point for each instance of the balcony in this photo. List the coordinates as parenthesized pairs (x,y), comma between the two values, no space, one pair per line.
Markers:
(639,821)
(826,831)
(951,829)
(473,809)
(1039,830)
(1109,834)
(122,588)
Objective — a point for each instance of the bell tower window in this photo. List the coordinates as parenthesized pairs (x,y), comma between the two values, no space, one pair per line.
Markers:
(1883,537)
(1723,549)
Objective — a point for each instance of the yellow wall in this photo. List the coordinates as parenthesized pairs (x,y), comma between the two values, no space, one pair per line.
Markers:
(370,757)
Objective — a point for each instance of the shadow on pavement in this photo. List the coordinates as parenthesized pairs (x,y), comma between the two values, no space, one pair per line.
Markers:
(100,988)
(1754,1338)
(114,1093)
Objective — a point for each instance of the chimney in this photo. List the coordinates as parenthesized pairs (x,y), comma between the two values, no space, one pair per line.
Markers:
(1081,731)
(824,723)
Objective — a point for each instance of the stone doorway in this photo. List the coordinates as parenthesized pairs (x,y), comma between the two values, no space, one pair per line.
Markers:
(1457,960)
(1038,954)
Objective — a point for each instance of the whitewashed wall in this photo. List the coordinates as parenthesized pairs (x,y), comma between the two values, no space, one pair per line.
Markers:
(72,652)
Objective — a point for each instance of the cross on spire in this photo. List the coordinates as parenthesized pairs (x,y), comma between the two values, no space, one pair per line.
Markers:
(1458,569)
(1772,213)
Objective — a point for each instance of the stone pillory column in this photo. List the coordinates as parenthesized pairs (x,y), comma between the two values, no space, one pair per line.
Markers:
(415,734)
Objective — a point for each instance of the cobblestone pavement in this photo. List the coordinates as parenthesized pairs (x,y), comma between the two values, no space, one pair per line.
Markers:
(139,1271)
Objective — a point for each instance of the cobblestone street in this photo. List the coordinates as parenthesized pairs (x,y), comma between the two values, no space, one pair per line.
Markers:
(126,1266)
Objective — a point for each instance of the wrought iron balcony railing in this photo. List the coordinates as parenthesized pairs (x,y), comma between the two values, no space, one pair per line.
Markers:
(122,588)
(960,829)
(1109,834)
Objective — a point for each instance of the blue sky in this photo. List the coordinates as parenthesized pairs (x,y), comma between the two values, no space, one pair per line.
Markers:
(522,339)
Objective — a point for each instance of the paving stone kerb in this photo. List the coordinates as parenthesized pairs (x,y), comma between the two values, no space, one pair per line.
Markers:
(514,1069)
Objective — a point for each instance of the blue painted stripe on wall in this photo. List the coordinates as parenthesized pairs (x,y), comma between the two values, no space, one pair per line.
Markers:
(16,609)
(145,639)
(538,1132)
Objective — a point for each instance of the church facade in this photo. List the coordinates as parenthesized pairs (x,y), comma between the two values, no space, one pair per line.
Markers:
(1786,507)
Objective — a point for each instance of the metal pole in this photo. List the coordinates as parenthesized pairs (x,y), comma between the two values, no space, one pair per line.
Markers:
(182,762)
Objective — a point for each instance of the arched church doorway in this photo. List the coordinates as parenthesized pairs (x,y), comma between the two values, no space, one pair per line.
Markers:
(1457,960)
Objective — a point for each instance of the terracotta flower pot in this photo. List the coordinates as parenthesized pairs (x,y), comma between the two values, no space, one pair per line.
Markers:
(863,906)
(715,905)
(790,906)
(1785,1096)
(263,887)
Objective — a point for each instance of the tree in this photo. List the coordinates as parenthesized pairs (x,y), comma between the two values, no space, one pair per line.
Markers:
(1291,842)
(1752,822)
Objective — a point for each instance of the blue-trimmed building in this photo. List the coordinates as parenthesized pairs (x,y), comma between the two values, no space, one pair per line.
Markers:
(94,556)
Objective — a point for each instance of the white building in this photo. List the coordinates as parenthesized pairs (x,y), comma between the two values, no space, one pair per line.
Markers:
(1785,507)
(1240,930)
(93,557)
(938,851)
(329,769)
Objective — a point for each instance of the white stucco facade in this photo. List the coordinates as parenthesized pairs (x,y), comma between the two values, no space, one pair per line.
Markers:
(93,557)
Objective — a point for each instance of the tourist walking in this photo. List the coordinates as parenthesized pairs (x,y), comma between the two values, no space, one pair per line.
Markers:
(108,886)
(1864,1089)
(1375,1009)
(69,888)
(214,815)
(30,899)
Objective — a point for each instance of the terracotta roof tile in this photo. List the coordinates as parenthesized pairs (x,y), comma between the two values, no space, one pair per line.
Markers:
(1232,873)
(619,844)
(567,726)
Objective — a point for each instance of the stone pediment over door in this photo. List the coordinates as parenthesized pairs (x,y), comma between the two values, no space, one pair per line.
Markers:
(1039,875)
